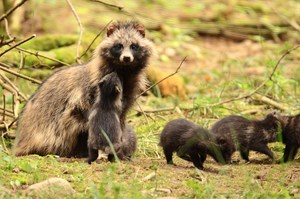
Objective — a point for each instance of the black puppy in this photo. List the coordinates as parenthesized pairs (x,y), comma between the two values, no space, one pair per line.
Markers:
(190,141)
(238,133)
(104,118)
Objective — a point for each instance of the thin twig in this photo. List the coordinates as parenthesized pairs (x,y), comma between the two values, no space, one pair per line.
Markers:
(109,5)
(43,56)
(4,108)
(13,86)
(122,10)
(29,52)
(15,97)
(262,84)
(17,44)
(102,30)
(157,110)
(143,113)
(5,67)
(292,23)
(163,78)
(80,30)
(10,125)
(6,42)
(2,137)
(8,113)
(5,15)
(7,29)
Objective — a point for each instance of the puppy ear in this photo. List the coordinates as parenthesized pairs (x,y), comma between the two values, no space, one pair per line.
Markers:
(111,29)
(222,141)
(117,89)
(140,28)
(102,81)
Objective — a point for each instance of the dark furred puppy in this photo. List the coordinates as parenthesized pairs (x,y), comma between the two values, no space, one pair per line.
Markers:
(238,133)
(290,126)
(55,118)
(128,145)
(190,141)
(105,116)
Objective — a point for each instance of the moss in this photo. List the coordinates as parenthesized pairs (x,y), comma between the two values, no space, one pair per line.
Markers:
(59,47)
(50,41)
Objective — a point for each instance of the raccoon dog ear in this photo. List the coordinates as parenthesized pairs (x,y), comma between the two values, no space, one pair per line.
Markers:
(111,29)
(140,28)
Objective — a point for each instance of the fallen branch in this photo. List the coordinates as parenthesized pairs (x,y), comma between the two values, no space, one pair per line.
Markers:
(80,31)
(157,110)
(17,44)
(269,101)
(5,67)
(162,79)
(262,84)
(5,15)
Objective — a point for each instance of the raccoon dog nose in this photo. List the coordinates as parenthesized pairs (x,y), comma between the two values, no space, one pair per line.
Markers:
(126,59)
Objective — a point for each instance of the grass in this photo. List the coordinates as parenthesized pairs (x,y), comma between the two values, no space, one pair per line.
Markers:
(216,70)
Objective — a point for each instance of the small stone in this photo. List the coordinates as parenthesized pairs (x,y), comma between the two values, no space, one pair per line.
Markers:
(51,188)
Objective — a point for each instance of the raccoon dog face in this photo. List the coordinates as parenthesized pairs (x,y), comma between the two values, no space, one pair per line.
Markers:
(126,46)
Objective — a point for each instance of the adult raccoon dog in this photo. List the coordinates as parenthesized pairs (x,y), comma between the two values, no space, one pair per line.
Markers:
(238,133)
(128,145)
(190,141)
(55,119)
(290,128)
(105,117)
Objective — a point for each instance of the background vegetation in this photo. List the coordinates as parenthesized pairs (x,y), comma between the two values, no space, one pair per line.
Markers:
(238,61)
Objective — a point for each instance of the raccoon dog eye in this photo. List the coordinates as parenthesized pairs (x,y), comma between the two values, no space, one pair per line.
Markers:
(134,47)
(117,47)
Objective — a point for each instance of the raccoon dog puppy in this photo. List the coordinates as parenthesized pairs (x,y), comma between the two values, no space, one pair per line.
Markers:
(128,145)
(55,120)
(238,133)
(290,129)
(190,141)
(105,117)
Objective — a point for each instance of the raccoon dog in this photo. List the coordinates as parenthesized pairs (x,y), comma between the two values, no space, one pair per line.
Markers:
(290,129)
(105,117)
(238,133)
(55,119)
(128,145)
(190,141)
